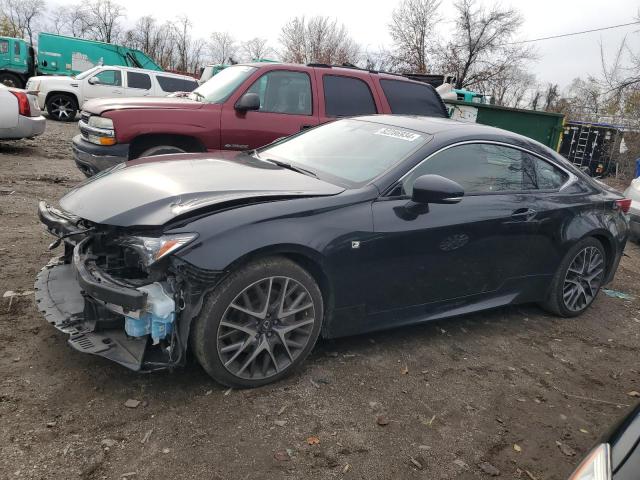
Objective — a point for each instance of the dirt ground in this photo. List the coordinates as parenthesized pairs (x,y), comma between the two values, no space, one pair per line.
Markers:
(513,391)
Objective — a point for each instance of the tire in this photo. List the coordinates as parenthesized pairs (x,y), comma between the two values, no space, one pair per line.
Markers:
(62,107)
(11,80)
(565,298)
(264,348)
(161,150)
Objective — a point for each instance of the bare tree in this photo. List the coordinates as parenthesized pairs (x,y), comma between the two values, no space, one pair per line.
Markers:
(20,17)
(482,46)
(320,39)
(103,18)
(511,88)
(550,96)
(412,30)
(256,48)
(222,47)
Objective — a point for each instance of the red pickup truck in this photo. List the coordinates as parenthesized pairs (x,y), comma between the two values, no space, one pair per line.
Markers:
(242,107)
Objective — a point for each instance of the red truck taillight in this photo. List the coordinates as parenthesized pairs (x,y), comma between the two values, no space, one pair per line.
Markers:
(24,108)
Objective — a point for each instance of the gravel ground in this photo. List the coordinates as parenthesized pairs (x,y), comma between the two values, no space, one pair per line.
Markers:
(512,391)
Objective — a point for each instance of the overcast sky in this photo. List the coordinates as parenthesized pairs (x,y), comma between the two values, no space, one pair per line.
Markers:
(559,61)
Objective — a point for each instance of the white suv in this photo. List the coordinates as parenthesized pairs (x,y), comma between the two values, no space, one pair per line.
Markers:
(64,96)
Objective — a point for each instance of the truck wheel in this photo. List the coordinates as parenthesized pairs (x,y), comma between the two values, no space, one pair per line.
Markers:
(161,150)
(62,107)
(11,80)
(259,324)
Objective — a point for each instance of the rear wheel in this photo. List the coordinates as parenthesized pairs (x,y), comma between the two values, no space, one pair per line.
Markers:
(11,80)
(260,324)
(62,107)
(161,150)
(578,280)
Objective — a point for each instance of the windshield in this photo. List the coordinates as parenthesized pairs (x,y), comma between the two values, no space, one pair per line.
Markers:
(86,73)
(355,151)
(221,86)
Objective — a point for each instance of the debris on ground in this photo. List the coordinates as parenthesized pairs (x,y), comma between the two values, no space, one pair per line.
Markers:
(489,469)
(382,420)
(313,440)
(280,423)
(461,463)
(417,462)
(108,442)
(634,393)
(517,447)
(617,294)
(131,403)
(565,449)
(147,436)
(282,456)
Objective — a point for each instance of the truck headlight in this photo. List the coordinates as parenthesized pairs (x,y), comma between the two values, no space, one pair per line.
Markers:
(152,249)
(597,465)
(100,122)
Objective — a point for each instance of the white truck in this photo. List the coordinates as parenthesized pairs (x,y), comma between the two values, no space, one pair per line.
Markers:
(62,96)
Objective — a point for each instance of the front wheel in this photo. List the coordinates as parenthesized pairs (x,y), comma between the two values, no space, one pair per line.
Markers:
(260,324)
(578,280)
(62,107)
(11,80)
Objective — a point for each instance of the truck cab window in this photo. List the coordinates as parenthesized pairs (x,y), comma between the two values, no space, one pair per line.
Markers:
(4,46)
(281,91)
(110,77)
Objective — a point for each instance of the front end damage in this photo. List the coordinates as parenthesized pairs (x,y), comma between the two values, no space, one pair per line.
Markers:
(121,294)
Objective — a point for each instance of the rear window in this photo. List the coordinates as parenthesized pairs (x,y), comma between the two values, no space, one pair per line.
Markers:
(173,84)
(409,98)
(346,96)
(138,80)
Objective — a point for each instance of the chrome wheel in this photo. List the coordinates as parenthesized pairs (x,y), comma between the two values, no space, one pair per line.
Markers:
(583,279)
(62,108)
(266,328)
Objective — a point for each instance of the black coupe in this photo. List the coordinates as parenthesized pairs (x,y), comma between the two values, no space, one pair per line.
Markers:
(361,224)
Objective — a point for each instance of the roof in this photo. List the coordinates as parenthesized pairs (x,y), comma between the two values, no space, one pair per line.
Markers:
(429,125)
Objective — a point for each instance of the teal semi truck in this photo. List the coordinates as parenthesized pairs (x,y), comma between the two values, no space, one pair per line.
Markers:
(60,55)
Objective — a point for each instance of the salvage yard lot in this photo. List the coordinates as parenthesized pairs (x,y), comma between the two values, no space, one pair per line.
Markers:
(512,390)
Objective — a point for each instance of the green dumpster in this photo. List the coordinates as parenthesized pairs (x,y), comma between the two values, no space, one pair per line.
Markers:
(544,127)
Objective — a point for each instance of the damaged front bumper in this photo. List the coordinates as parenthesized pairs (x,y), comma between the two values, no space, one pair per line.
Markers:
(140,323)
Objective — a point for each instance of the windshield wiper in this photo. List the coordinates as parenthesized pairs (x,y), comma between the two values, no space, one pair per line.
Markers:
(289,166)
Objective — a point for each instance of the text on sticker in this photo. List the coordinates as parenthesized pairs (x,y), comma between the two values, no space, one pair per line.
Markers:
(397,133)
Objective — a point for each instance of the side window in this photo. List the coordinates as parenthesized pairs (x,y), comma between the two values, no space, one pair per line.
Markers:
(548,177)
(138,80)
(173,84)
(16,48)
(479,168)
(110,77)
(281,91)
(347,96)
(4,46)
(409,98)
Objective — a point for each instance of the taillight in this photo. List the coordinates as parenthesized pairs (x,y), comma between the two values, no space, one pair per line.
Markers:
(23,103)
(624,204)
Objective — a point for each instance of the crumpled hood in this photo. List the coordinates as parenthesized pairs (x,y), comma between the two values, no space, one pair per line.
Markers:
(153,191)
(100,105)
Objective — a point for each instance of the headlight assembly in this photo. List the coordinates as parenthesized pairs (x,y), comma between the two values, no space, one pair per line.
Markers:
(152,249)
(597,465)
(100,122)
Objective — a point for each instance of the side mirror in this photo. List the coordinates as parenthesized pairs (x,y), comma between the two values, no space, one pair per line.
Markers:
(436,189)
(94,81)
(249,101)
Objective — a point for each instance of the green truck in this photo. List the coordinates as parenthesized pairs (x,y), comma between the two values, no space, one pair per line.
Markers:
(60,55)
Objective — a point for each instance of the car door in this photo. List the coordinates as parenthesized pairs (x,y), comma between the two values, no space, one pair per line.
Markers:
(286,107)
(104,84)
(138,84)
(479,246)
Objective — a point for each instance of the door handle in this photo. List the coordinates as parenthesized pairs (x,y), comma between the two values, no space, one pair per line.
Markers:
(523,214)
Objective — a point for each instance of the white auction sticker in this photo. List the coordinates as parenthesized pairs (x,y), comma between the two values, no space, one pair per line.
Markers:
(397,133)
